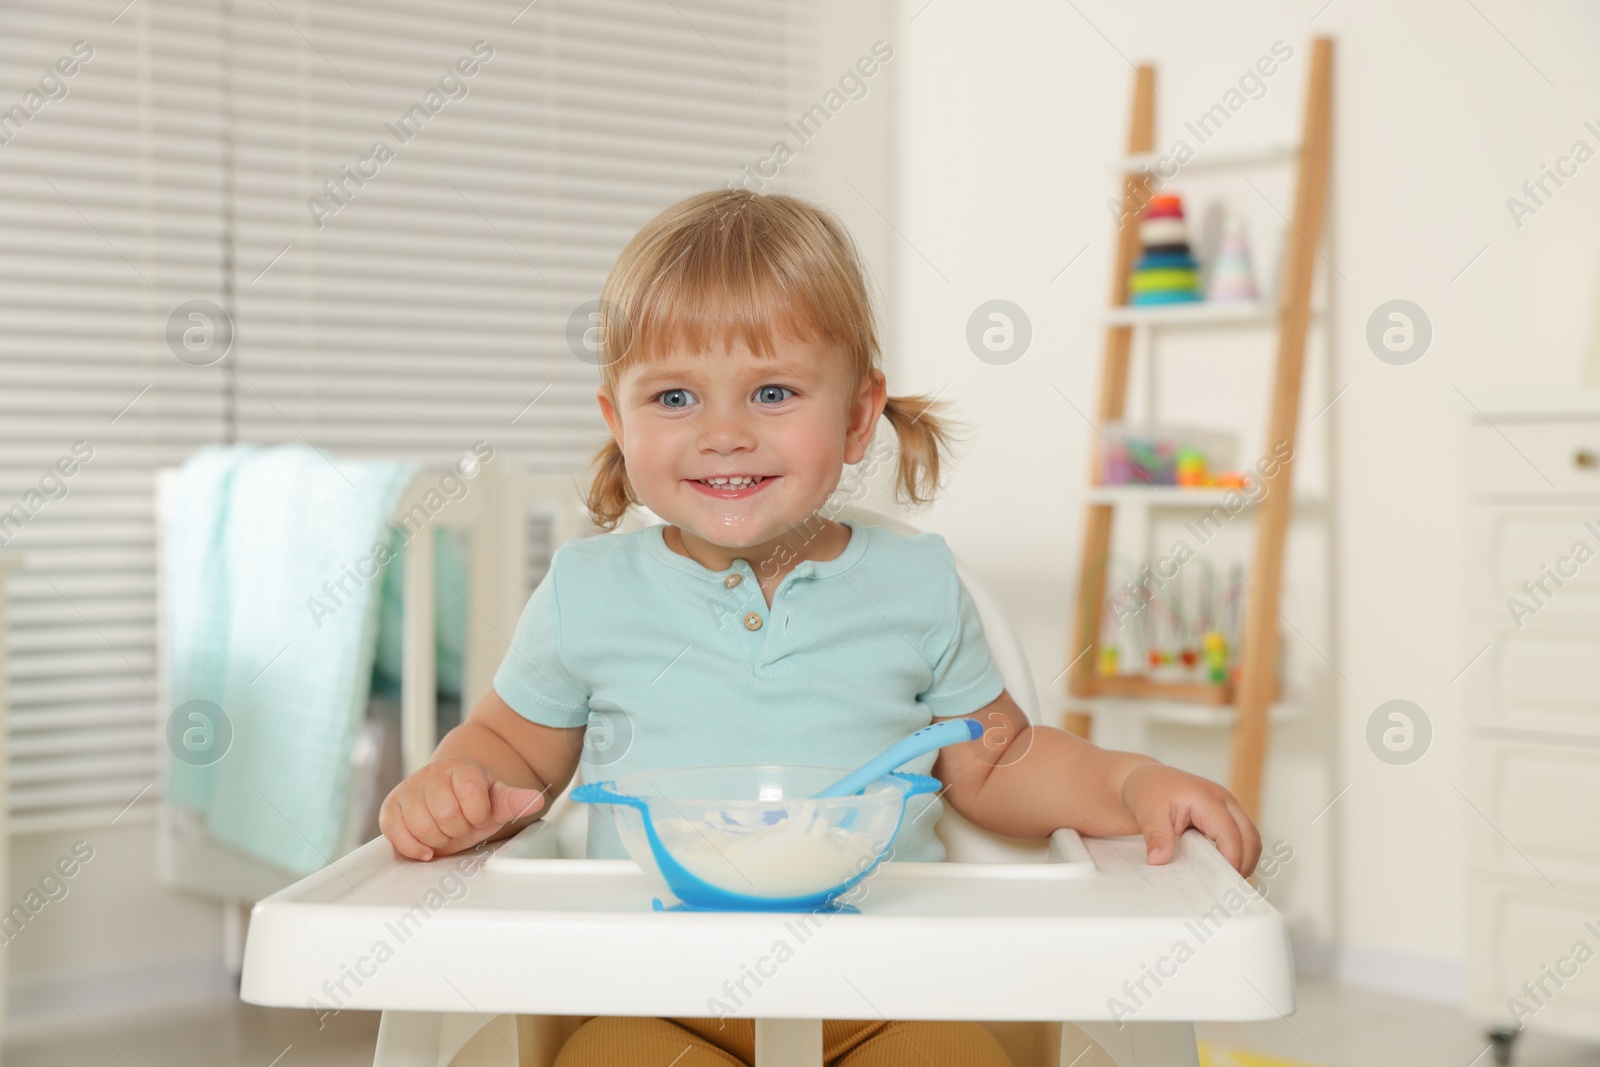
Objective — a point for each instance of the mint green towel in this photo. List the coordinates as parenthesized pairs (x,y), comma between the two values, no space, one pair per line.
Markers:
(272,621)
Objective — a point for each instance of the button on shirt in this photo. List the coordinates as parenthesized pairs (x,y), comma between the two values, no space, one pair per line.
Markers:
(670,664)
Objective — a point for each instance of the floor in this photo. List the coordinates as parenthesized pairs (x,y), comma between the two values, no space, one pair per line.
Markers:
(1334,1026)
(216,1034)
(1359,1028)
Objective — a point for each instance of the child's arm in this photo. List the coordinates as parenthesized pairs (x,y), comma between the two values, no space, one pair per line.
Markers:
(1025,781)
(489,777)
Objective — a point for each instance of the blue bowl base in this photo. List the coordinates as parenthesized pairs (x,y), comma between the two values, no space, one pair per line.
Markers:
(831,908)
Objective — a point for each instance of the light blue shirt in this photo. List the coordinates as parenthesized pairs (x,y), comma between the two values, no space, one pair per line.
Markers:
(662,659)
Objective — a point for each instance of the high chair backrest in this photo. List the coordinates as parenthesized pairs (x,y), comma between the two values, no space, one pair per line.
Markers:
(963,841)
(1003,643)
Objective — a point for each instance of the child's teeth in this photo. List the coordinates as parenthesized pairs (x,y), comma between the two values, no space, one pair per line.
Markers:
(740,482)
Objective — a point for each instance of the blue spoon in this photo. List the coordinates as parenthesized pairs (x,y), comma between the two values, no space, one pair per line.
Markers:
(927,739)
(940,734)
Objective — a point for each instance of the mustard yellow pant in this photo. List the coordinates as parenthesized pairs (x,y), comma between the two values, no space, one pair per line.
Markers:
(608,1041)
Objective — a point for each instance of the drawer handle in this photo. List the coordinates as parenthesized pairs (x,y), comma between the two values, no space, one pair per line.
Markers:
(1585,459)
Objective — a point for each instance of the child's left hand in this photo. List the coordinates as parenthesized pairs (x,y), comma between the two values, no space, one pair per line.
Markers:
(1165,801)
(1027,781)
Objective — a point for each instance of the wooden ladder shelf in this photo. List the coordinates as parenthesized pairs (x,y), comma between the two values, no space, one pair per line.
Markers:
(1258,685)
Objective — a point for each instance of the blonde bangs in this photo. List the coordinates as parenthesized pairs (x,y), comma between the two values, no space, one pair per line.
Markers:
(732,266)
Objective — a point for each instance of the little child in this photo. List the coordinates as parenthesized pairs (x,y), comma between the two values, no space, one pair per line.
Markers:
(739,378)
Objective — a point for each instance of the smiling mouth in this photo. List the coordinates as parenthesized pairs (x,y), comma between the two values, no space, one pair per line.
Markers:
(733,481)
(732,486)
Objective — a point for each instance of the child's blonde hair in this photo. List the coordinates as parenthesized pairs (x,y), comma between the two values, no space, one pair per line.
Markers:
(728,264)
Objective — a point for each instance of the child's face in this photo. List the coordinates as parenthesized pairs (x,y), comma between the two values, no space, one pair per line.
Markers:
(791,422)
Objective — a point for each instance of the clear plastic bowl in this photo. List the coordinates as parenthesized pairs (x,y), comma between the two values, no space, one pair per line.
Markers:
(750,837)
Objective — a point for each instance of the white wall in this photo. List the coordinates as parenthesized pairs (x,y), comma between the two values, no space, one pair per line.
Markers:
(1010,115)
(849,166)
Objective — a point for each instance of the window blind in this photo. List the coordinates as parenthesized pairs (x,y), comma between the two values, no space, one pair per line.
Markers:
(418,304)
(110,208)
(402,303)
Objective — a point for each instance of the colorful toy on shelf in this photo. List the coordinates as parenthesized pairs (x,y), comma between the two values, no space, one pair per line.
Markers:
(1216,652)
(1177,626)
(1167,272)
(1191,466)
(1137,459)
(1163,455)
(1232,278)
(1108,661)
(1228,479)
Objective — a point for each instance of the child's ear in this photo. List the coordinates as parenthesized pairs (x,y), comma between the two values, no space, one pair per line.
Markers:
(864,415)
(608,411)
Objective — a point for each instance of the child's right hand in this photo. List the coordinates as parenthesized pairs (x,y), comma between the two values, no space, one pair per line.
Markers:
(451,804)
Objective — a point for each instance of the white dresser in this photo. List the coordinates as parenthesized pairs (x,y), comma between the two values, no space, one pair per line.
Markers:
(1532,701)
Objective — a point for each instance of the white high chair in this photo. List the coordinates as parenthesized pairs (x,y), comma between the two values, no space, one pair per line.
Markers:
(1081,935)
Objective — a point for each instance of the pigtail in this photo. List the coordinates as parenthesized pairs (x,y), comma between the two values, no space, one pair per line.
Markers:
(925,434)
(610,493)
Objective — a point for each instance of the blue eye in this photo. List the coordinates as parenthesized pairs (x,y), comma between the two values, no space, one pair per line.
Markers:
(773,394)
(674,398)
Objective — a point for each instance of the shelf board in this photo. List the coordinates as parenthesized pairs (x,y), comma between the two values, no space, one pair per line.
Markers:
(1198,313)
(1162,496)
(1180,712)
(1177,498)
(1147,688)
(1273,153)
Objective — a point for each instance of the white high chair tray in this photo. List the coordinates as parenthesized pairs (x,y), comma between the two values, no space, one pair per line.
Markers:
(1103,936)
